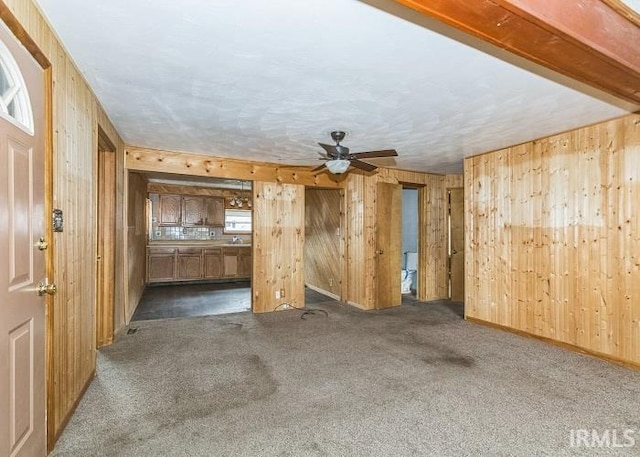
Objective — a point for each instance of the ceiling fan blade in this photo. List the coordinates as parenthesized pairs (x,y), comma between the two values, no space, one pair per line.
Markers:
(331,149)
(318,168)
(372,154)
(362,165)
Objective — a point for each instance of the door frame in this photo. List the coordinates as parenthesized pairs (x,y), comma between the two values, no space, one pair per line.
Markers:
(105,240)
(7,16)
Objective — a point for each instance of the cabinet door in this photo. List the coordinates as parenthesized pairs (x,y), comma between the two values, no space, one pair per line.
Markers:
(213,264)
(214,211)
(192,211)
(170,209)
(230,262)
(189,263)
(244,263)
(161,267)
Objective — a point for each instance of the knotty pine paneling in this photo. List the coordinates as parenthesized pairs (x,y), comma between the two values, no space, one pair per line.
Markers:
(76,115)
(278,245)
(433,266)
(136,240)
(323,240)
(553,238)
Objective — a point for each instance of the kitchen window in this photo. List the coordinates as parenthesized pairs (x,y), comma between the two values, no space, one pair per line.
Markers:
(237,221)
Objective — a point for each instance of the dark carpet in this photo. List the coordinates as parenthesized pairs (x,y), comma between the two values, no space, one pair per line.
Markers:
(413,380)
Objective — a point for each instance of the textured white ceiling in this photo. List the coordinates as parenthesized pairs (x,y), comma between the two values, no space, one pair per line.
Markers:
(266,80)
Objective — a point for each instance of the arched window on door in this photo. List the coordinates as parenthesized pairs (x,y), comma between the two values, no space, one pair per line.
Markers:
(14,98)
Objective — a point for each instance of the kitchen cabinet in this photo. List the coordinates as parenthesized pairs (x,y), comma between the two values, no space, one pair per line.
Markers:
(170,210)
(244,263)
(230,262)
(192,263)
(189,263)
(161,264)
(214,210)
(213,263)
(192,211)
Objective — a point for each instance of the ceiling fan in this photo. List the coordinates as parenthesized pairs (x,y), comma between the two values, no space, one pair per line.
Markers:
(338,158)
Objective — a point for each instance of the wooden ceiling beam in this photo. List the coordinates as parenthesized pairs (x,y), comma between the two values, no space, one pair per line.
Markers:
(182,163)
(591,41)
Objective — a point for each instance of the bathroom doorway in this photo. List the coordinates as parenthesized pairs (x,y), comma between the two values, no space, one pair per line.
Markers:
(409,251)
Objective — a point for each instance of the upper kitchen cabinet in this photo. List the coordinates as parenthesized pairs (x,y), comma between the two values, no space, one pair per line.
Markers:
(214,207)
(170,210)
(192,211)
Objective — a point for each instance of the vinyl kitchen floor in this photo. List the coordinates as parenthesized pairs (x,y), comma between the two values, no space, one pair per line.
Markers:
(194,300)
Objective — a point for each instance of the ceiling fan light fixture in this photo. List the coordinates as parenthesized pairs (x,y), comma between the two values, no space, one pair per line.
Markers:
(338,166)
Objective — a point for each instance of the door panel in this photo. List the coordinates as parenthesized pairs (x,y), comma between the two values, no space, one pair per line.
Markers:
(22,264)
(388,244)
(19,204)
(456,211)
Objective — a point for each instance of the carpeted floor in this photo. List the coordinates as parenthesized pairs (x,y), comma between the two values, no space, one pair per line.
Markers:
(414,380)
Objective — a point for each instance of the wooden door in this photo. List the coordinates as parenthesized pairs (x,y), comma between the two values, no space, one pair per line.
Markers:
(192,211)
(170,209)
(22,258)
(456,234)
(388,245)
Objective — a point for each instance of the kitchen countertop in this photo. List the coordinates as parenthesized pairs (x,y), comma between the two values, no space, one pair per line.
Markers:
(196,243)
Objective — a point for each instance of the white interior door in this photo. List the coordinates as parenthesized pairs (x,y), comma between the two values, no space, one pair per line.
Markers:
(22,262)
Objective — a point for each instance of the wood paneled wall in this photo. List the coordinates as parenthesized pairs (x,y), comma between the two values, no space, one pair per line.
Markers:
(360,234)
(323,241)
(278,239)
(553,238)
(76,115)
(136,240)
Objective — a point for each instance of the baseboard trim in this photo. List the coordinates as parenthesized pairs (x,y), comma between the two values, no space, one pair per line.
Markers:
(323,292)
(561,344)
(69,415)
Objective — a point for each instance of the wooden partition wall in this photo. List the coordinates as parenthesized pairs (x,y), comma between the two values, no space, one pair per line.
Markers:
(553,238)
(136,241)
(278,251)
(76,116)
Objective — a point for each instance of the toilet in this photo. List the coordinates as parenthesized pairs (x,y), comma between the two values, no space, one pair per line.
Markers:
(408,274)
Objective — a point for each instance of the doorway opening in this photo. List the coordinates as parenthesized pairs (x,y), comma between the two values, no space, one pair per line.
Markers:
(410,241)
(323,245)
(191,255)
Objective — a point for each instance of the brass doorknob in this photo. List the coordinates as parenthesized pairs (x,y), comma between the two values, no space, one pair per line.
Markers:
(42,244)
(47,288)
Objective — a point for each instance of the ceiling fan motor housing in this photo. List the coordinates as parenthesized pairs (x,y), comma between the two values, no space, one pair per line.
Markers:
(338,135)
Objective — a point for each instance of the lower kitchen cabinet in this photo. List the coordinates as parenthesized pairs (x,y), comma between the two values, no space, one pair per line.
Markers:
(161,264)
(170,264)
(244,263)
(189,263)
(213,264)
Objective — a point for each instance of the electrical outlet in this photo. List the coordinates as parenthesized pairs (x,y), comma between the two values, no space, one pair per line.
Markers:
(286,306)
(277,294)
(331,282)
(281,293)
